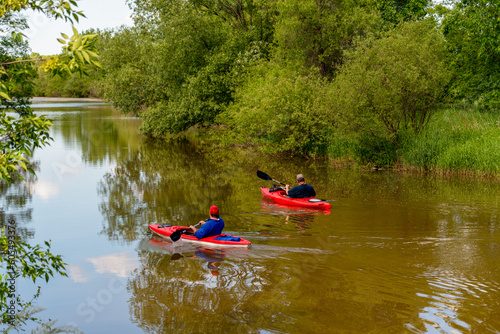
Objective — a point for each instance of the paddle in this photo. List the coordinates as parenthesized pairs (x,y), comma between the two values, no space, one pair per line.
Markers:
(176,256)
(177,234)
(266,177)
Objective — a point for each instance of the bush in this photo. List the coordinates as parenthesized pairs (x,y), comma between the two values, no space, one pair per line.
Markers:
(391,85)
(281,111)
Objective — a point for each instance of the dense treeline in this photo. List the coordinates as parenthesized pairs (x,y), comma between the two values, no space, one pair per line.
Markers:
(352,79)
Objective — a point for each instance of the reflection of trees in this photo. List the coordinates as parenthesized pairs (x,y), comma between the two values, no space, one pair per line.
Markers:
(177,181)
(99,131)
(173,182)
(14,202)
(173,297)
(289,292)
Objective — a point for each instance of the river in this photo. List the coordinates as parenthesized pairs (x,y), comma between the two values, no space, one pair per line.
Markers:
(396,253)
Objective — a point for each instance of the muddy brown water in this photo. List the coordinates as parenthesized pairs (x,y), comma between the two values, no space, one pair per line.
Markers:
(394,254)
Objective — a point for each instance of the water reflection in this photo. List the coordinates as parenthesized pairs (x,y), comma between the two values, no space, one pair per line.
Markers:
(180,295)
(93,129)
(213,256)
(301,218)
(397,253)
(15,202)
(157,184)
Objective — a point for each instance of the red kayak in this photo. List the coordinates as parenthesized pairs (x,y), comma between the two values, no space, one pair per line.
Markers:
(281,198)
(166,231)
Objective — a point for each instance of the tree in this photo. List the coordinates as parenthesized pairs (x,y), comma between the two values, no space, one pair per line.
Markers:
(20,259)
(19,136)
(472,32)
(392,84)
(187,59)
(289,109)
(312,35)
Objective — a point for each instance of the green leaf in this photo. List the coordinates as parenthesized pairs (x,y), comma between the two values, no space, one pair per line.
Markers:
(5,96)
(78,54)
(86,56)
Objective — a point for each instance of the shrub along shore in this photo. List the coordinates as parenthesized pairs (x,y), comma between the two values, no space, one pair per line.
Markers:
(460,140)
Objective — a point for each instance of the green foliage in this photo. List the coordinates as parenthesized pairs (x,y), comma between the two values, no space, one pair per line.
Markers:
(20,259)
(456,139)
(395,11)
(127,79)
(17,75)
(391,84)
(183,61)
(472,31)
(75,85)
(313,35)
(378,152)
(19,136)
(57,9)
(78,51)
(280,111)
(180,64)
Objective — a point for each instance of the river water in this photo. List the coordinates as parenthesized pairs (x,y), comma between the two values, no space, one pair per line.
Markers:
(395,254)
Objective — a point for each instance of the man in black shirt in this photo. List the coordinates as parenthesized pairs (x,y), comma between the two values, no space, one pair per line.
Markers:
(303,190)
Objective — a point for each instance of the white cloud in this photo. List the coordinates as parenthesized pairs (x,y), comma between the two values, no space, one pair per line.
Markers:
(76,274)
(44,189)
(120,264)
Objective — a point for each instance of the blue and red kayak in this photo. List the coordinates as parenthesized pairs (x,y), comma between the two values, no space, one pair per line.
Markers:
(220,240)
(281,198)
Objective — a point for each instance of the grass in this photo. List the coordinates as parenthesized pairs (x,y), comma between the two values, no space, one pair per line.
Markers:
(458,139)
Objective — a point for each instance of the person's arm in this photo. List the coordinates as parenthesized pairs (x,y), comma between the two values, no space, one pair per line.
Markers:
(203,230)
(200,223)
(293,192)
(287,188)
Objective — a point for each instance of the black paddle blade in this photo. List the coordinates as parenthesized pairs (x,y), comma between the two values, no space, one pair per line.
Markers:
(264,176)
(176,256)
(177,234)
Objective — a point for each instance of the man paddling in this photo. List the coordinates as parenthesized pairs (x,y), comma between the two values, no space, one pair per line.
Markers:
(212,226)
(303,190)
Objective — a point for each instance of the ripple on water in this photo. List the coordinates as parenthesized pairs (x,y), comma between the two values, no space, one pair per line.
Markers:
(455,303)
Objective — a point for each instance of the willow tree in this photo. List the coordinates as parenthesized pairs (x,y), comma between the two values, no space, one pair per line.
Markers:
(314,34)
(186,60)
(392,84)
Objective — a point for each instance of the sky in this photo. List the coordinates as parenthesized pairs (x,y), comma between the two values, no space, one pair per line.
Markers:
(43,32)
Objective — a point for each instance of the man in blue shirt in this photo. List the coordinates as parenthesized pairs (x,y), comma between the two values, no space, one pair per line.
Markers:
(212,226)
(303,190)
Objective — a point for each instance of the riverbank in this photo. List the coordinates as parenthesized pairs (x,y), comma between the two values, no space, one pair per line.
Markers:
(64,99)
(459,140)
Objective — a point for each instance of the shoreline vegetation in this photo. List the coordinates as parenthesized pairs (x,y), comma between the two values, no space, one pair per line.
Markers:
(390,85)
